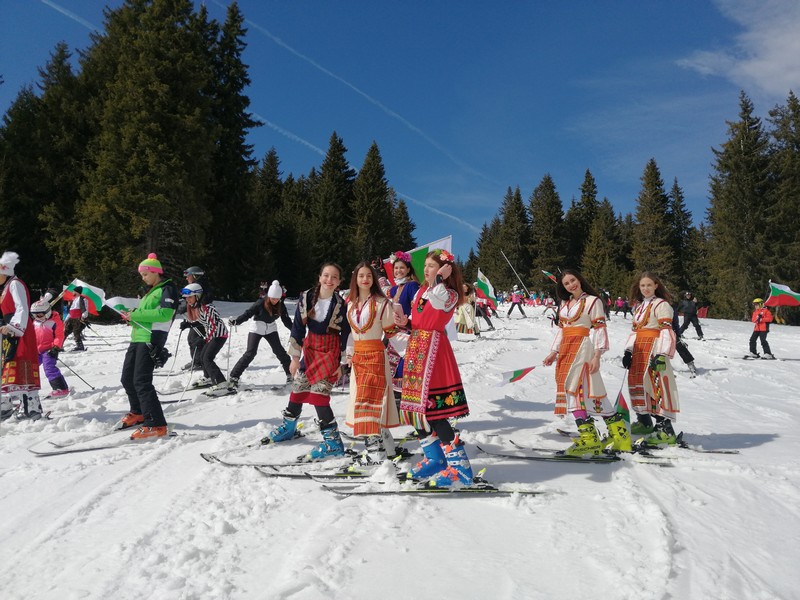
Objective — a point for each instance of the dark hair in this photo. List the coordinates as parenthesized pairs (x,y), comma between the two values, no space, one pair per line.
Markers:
(411,273)
(315,294)
(455,281)
(273,309)
(661,291)
(375,289)
(562,293)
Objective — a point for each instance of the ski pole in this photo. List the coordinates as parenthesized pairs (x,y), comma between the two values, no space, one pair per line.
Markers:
(230,343)
(175,355)
(191,374)
(74,373)
(90,328)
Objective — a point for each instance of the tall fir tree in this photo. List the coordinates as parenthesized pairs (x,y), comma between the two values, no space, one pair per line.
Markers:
(490,259)
(403,226)
(548,242)
(578,221)
(737,216)
(514,235)
(680,224)
(266,201)
(373,212)
(783,231)
(652,242)
(601,253)
(332,207)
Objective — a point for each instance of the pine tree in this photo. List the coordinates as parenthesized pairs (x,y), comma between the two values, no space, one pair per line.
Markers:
(680,224)
(490,259)
(266,201)
(600,255)
(514,234)
(652,243)
(331,207)
(373,212)
(150,167)
(740,193)
(403,227)
(783,231)
(548,242)
(578,221)
(296,269)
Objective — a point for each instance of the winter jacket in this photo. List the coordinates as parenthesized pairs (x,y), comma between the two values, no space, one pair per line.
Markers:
(49,333)
(155,312)
(264,321)
(762,318)
(688,308)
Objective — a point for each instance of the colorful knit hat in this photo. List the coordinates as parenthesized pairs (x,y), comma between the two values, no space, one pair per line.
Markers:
(151,264)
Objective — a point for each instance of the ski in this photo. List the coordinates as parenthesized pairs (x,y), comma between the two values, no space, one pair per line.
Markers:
(409,437)
(477,489)
(603,459)
(683,444)
(566,433)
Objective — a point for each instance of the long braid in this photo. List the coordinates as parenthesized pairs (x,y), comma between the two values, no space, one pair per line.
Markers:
(313,303)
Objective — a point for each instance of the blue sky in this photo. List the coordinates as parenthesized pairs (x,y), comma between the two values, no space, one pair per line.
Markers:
(466,98)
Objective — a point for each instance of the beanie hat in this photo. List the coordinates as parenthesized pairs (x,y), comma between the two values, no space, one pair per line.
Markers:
(151,264)
(275,290)
(8,261)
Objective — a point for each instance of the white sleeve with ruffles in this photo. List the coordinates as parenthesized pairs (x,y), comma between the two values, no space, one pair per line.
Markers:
(599,332)
(19,320)
(442,297)
(666,338)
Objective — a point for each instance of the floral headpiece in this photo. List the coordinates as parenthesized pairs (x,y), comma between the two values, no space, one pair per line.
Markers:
(444,256)
(400,255)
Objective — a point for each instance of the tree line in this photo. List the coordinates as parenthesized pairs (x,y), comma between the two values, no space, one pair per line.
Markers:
(143,147)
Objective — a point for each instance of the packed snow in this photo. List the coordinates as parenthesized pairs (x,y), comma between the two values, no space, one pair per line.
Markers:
(155,520)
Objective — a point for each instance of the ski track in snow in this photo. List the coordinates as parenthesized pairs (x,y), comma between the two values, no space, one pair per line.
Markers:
(157,519)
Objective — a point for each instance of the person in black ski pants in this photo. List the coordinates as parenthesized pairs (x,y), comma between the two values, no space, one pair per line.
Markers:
(681,346)
(688,307)
(264,312)
(196,337)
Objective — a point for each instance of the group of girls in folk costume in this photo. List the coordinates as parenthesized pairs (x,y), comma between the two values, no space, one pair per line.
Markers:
(319,335)
(580,341)
(199,311)
(432,388)
(49,330)
(150,324)
(265,313)
(20,360)
(406,285)
(465,313)
(651,381)
(371,411)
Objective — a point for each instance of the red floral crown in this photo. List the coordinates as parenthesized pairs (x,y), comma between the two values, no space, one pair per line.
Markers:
(400,255)
(444,256)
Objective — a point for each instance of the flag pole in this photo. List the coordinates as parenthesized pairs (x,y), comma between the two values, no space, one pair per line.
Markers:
(515,273)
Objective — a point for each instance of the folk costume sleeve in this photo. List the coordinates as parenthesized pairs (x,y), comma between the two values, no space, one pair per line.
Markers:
(442,297)
(599,332)
(19,320)
(666,339)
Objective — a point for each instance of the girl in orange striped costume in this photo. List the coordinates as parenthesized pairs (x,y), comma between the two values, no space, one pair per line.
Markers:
(371,409)
(579,386)
(651,381)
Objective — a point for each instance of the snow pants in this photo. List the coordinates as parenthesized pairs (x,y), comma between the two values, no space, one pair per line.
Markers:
(253,340)
(137,379)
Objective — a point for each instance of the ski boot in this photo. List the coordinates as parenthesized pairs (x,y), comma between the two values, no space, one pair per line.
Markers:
(643,425)
(331,445)
(145,433)
(588,441)
(433,463)
(30,407)
(618,440)
(203,382)
(233,384)
(458,471)
(768,356)
(222,388)
(286,431)
(131,420)
(374,454)
(692,369)
(752,354)
(664,435)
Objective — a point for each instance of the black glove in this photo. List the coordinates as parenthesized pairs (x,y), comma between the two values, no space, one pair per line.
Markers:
(658,362)
(185,325)
(627,359)
(53,352)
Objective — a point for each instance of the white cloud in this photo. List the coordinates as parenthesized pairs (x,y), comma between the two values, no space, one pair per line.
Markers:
(765,55)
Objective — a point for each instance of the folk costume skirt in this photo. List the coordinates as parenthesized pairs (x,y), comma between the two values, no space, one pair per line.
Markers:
(651,392)
(372,406)
(576,387)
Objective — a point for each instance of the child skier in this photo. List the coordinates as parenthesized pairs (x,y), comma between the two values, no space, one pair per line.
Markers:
(49,342)
(198,311)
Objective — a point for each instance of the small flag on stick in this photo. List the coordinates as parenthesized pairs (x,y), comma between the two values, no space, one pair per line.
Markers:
(512,376)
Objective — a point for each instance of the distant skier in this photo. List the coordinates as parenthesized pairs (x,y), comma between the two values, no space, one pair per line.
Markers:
(76,319)
(688,306)
(762,317)
(516,300)
(681,347)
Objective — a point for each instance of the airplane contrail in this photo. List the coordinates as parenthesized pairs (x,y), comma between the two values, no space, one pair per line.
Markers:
(289,134)
(433,209)
(70,14)
(366,96)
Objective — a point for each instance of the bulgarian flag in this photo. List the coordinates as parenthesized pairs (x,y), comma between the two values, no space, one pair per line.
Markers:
(484,289)
(118,303)
(418,255)
(512,376)
(622,408)
(95,296)
(781,295)
(550,276)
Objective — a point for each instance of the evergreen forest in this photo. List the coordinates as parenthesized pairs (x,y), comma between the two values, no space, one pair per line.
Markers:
(140,145)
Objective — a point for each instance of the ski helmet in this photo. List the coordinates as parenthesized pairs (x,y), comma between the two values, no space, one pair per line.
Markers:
(758,301)
(41,307)
(193,289)
(194,272)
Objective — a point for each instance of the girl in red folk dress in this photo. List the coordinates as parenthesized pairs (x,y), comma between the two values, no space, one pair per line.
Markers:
(432,389)
(579,386)
(20,357)
(651,381)
(319,334)
(371,410)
